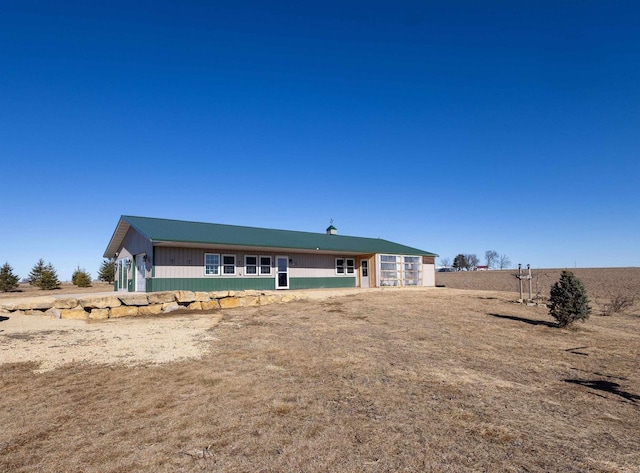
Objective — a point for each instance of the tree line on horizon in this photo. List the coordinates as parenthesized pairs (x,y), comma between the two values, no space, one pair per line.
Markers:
(470,261)
(45,276)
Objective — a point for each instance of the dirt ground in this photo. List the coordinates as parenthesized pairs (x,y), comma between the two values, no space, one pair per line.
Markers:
(396,380)
(601,283)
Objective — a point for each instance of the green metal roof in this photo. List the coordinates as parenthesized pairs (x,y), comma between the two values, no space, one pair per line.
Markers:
(177,231)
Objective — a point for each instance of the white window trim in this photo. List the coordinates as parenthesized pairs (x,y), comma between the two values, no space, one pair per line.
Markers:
(346,266)
(260,265)
(235,265)
(246,265)
(205,265)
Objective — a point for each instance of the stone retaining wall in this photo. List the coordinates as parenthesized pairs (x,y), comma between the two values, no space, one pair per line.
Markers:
(116,305)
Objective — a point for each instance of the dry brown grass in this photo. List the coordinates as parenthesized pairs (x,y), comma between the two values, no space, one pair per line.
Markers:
(25,290)
(424,380)
(602,284)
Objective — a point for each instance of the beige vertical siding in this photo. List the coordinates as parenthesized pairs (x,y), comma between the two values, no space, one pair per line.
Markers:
(134,244)
(189,263)
(429,275)
(315,266)
(179,262)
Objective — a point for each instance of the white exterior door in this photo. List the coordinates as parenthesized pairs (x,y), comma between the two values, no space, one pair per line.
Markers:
(282,272)
(364,273)
(141,267)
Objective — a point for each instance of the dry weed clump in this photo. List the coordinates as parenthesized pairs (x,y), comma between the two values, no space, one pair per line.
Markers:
(398,380)
(618,304)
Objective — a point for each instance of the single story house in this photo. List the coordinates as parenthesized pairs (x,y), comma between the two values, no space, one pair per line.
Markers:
(153,254)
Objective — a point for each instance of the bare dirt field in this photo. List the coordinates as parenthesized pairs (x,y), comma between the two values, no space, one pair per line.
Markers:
(601,283)
(395,380)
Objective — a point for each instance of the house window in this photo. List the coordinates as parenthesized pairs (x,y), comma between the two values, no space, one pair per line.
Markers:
(250,265)
(398,270)
(229,265)
(351,266)
(265,265)
(345,266)
(412,271)
(390,270)
(211,264)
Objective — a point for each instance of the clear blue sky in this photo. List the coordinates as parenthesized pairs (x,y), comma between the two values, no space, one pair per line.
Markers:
(449,126)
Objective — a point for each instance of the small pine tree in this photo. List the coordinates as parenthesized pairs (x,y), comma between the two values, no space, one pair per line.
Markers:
(8,280)
(81,278)
(36,273)
(568,300)
(107,271)
(49,278)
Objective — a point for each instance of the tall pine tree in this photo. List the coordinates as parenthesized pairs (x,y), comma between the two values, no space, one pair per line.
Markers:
(36,273)
(44,276)
(107,271)
(49,279)
(8,280)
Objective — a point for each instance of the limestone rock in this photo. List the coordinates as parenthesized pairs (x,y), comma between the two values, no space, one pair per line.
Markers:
(230,302)
(161,297)
(53,312)
(99,302)
(171,307)
(42,303)
(218,294)
(97,314)
(76,313)
(202,296)
(211,305)
(123,311)
(9,306)
(185,296)
(66,303)
(151,309)
(134,299)
(22,305)
(197,305)
(266,299)
(34,312)
(251,301)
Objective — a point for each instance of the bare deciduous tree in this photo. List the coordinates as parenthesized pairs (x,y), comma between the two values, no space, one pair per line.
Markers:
(491,258)
(472,261)
(504,262)
(446,262)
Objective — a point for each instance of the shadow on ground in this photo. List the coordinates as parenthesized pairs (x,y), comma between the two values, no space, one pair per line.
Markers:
(606,386)
(525,320)
(3,318)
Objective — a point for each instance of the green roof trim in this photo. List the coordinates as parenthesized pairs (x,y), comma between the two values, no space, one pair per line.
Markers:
(179,231)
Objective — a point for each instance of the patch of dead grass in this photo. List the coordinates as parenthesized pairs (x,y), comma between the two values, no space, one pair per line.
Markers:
(423,380)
